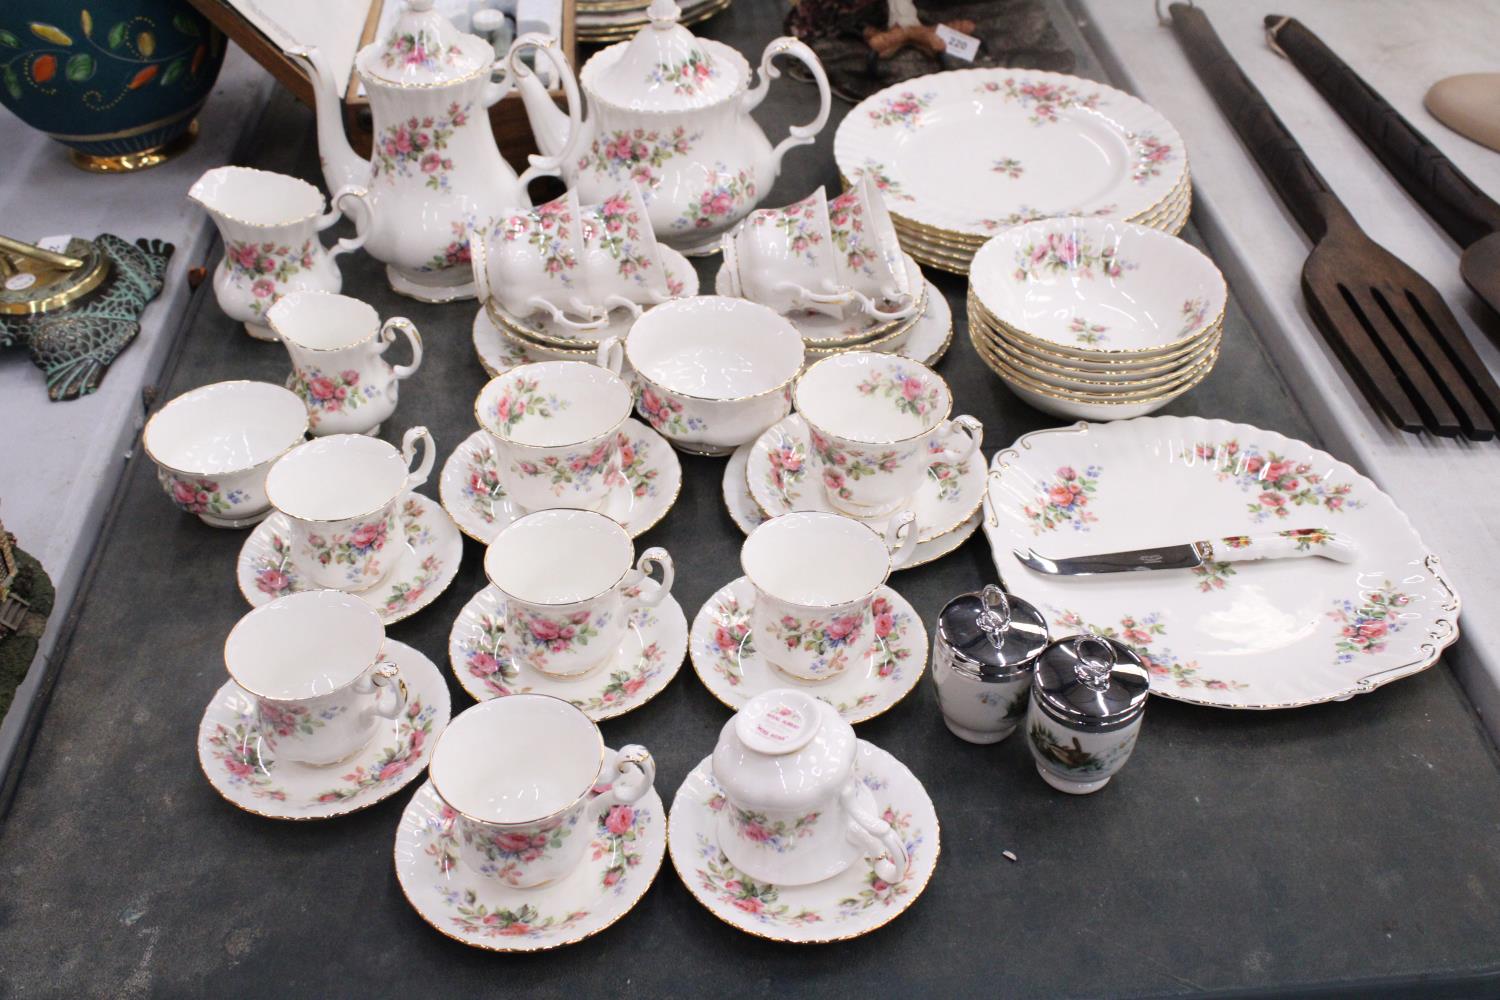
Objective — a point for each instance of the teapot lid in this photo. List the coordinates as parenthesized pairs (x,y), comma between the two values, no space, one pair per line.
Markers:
(665,67)
(423,49)
(785,749)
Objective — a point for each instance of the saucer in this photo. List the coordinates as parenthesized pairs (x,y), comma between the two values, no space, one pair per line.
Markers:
(497,355)
(615,872)
(933,332)
(779,473)
(242,766)
(473,497)
(727,663)
(645,663)
(267,570)
(854,902)
(747,515)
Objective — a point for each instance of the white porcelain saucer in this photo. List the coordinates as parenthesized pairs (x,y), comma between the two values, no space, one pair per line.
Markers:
(933,333)
(644,664)
(747,515)
(727,662)
(473,497)
(267,570)
(616,871)
(242,765)
(780,475)
(850,904)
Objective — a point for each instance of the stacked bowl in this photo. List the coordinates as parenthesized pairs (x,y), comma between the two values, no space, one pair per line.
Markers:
(1095,320)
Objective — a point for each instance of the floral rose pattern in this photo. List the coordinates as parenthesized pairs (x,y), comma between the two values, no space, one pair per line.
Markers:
(1085,332)
(719,201)
(420,49)
(1193,312)
(394,759)
(1213,576)
(267,267)
(1151,155)
(731,638)
(666,414)
(1068,254)
(456,252)
(523,398)
(884,183)
(415,147)
(573,470)
(637,154)
(548,230)
(406,593)
(1368,621)
(846,221)
(538,634)
(526,921)
(201,496)
(358,548)
(335,392)
(1141,635)
(482,488)
(618,231)
(911,394)
(798,226)
(275,573)
(640,477)
(877,891)
(788,461)
(841,464)
(1008,167)
(687,76)
(905,110)
(615,836)
(1065,501)
(508,851)
(779,835)
(761,900)
(1279,484)
(1027,213)
(830,641)
(1042,98)
(278,720)
(238,750)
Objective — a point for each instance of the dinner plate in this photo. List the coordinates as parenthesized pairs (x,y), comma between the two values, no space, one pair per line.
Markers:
(1278,633)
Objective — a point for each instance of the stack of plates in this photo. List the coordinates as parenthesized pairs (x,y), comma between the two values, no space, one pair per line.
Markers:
(600,22)
(1095,320)
(966,154)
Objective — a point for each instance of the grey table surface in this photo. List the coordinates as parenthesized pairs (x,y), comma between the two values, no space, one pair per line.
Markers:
(1354,843)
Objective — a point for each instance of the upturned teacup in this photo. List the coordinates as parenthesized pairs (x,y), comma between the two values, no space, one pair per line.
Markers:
(815,575)
(527,778)
(877,423)
(869,259)
(214,445)
(795,810)
(343,496)
(785,258)
(713,372)
(532,261)
(570,581)
(555,429)
(622,263)
(312,662)
(337,345)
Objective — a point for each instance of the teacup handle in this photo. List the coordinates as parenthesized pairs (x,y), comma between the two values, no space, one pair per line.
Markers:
(872,308)
(386,677)
(731,251)
(361,219)
(634,774)
(549,166)
(388,337)
(881,842)
(558,316)
(654,556)
(901,537)
(799,135)
(409,451)
(973,431)
(822,298)
(611,354)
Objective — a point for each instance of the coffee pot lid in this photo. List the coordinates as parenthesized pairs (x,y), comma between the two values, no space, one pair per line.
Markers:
(785,749)
(665,67)
(1092,682)
(991,636)
(424,49)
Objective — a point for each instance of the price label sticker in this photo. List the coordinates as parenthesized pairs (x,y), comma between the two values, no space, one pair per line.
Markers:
(19,282)
(959,45)
(57,244)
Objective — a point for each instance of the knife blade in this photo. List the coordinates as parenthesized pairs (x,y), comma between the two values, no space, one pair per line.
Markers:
(1291,544)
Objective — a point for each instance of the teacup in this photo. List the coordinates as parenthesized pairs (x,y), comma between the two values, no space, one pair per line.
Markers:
(343,496)
(783,256)
(338,346)
(270,223)
(523,776)
(712,371)
(622,263)
(312,662)
(555,428)
(571,582)
(877,423)
(796,811)
(532,260)
(214,445)
(870,261)
(815,575)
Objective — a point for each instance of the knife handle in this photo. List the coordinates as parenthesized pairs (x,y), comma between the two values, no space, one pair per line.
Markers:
(1281,545)
(1456,203)
(1268,140)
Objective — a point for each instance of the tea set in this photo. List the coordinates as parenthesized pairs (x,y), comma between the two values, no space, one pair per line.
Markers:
(808,371)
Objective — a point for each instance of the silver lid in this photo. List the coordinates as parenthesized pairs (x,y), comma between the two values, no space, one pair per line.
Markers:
(991,636)
(1091,682)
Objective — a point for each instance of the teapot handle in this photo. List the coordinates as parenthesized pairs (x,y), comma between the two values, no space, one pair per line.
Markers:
(550,166)
(800,135)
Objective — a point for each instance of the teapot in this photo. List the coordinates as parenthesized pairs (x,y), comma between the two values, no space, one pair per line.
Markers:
(671,111)
(435,174)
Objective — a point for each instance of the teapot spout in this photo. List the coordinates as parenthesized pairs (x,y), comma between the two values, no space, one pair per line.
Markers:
(549,123)
(341,164)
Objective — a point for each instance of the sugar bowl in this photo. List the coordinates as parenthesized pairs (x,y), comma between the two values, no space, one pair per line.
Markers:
(1087,699)
(983,651)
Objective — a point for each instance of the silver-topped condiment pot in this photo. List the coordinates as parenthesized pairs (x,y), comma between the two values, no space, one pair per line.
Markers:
(1087,699)
(983,651)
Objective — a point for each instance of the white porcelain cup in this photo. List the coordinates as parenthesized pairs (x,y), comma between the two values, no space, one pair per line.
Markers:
(869,261)
(529,778)
(877,423)
(337,345)
(621,259)
(555,427)
(312,662)
(532,261)
(214,445)
(815,575)
(796,810)
(784,256)
(343,496)
(571,582)
(270,224)
(712,372)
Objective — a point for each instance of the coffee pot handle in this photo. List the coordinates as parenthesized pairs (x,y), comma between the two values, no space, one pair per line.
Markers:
(361,218)
(799,135)
(550,166)
(880,841)
(654,556)
(413,337)
(973,432)
(409,451)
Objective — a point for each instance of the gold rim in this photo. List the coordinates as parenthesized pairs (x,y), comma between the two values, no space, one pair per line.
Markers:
(300,440)
(374,332)
(281,223)
(1130,361)
(1133,376)
(947,410)
(145,159)
(1112,389)
(613,428)
(1008,374)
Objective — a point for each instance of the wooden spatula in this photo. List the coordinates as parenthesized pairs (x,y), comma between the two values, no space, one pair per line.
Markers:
(1388,325)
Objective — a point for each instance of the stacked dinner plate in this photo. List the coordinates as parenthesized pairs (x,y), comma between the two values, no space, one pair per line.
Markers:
(966,154)
(1095,320)
(599,22)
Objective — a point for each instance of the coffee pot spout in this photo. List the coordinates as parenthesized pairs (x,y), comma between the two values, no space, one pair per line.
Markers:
(342,166)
